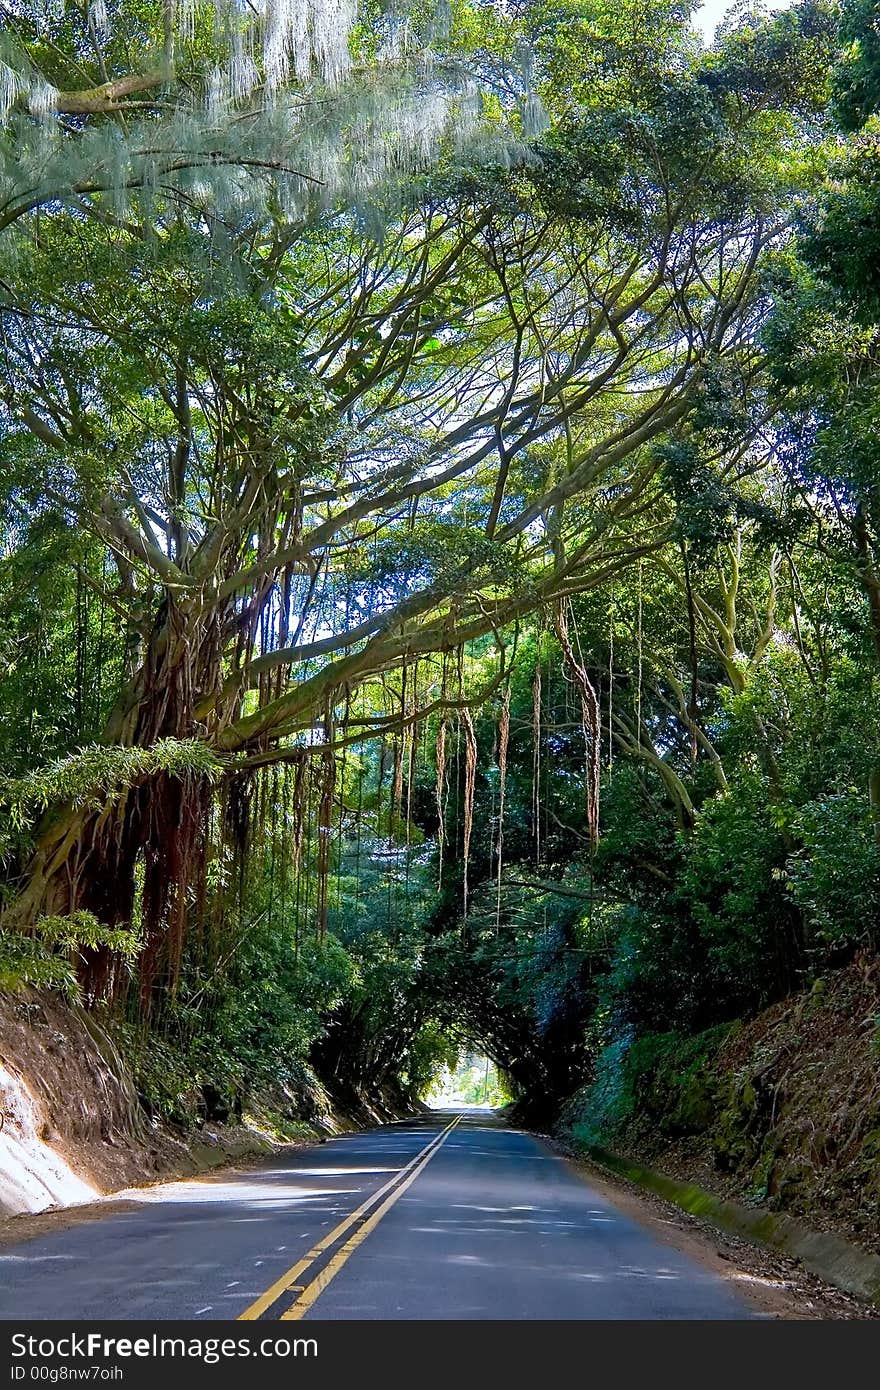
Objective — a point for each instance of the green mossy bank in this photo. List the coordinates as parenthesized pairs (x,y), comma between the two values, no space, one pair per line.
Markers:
(780,1113)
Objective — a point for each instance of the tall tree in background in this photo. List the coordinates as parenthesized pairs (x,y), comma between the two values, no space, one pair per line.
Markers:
(823,340)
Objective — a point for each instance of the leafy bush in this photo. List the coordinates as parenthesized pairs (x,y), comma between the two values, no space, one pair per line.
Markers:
(835,878)
(665,1077)
(47,959)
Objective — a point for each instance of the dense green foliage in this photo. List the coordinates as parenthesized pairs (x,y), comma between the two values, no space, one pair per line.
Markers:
(439,532)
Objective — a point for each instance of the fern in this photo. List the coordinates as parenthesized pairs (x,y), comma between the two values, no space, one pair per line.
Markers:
(25,961)
(46,960)
(83,929)
(97,774)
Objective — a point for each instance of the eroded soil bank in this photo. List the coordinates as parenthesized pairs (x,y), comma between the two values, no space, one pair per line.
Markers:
(75,1127)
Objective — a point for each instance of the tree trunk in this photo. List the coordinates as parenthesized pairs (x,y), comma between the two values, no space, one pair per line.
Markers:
(135,858)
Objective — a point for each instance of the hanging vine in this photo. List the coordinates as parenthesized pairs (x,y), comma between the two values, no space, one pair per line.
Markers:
(692,707)
(611,679)
(326,801)
(470,777)
(503,741)
(536,756)
(589,721)
(639,661)
(440,795)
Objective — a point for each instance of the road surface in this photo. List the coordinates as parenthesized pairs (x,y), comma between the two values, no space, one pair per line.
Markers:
(444,1217)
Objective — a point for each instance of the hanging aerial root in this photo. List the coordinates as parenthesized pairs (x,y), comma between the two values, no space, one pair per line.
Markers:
(440,793)
(470,777)
(589,721)
(325,836)
(298,814)
(411,744)
(692,708)
(611,680)
(399,758)
(327,798)
(536,757)
(396,789)
(503,742)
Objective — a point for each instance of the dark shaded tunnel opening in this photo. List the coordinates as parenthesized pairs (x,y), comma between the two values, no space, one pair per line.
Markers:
(467,1026)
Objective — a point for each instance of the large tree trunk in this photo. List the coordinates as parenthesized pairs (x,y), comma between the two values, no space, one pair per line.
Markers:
(139,856)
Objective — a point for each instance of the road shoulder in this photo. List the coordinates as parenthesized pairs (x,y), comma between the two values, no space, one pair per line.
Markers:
(774,1284)
(15,1230)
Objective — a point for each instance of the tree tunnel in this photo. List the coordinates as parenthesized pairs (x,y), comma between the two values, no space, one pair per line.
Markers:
(520,1003)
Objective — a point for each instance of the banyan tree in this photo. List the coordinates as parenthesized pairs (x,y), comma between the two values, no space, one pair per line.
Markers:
(352,345)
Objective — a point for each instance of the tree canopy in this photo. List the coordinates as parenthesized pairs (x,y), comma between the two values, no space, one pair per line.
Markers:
(439,521)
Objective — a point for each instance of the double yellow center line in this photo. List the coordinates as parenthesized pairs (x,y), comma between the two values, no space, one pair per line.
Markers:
(360,1222)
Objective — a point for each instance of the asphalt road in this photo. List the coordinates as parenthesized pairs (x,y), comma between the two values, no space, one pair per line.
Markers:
(411,1221)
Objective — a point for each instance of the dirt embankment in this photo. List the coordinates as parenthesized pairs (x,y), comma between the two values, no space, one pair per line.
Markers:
(73,1126)
(784,1112)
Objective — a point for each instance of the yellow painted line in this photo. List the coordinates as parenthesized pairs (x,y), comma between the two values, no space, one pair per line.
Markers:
(314,1290)
(289,1280)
